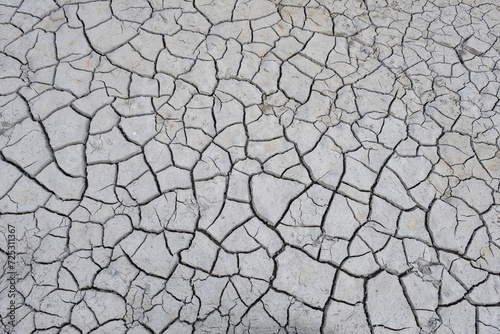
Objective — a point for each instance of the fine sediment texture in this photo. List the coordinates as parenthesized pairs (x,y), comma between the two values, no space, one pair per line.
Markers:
(249,166)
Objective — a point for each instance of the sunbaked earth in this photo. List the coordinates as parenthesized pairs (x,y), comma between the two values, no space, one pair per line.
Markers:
(250,166)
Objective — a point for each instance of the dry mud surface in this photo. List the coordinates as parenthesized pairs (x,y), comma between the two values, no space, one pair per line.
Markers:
(249,166)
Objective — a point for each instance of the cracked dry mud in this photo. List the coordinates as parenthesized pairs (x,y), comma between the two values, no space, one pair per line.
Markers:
(250,166)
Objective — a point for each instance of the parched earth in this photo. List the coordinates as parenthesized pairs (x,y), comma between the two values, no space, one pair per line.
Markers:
(250,166)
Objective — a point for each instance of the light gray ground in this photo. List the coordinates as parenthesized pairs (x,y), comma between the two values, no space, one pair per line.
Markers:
(250,166)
